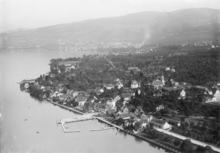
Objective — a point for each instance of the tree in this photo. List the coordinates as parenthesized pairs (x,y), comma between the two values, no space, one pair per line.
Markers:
(173,113)
(167,139)
(136,102)
(200,149)
(119,121)
(119,104)
(75,104)
(176,142)
(86,106)
(186,146)
(208,149)
(141,74)
(187,110)
(137,125)
(192,125)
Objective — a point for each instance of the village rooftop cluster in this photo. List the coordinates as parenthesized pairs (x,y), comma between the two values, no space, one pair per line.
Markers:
(144,93)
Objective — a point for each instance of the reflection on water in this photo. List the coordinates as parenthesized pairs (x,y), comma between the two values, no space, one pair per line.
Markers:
(36,98)
(138,140)
(125,135)
(29,125)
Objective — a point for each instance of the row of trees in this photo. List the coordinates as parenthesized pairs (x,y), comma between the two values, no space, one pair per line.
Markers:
(185,146)
(208,131)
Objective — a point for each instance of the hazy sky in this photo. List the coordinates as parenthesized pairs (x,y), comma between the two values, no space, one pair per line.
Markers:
(38,13)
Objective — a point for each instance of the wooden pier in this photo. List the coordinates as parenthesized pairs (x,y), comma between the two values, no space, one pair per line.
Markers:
(113,125)
(76,119)
(102,129)
(65,131)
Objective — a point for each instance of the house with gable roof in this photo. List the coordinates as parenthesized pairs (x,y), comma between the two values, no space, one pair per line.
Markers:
(81,100)
(135,84)
(112,103)
(134,69)
(157,123)
(69,63)
(126,96)
(216,97)
(119,84)
(109,86)
(182,94)
(167,69)
(157,84)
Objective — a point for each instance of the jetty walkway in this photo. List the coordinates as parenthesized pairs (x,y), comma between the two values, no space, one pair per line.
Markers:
(113,125)
(77,119)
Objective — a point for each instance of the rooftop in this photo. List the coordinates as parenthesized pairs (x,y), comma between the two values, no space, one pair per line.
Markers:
(157,121)
(68,62)
(109,85)
(157,83)
(80,98)
(134,68)
(126,95)
(171,88)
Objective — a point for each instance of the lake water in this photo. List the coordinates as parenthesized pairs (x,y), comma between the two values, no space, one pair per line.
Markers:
(29,126)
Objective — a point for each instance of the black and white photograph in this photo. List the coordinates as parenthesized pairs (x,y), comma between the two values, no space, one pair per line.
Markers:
(109,76)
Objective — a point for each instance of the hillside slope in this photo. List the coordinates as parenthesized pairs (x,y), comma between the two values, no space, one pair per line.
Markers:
(187,25)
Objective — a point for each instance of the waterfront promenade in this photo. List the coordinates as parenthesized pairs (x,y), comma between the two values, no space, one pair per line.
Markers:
(66,107)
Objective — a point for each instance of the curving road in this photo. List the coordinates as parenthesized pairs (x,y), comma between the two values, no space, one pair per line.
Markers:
(111,63)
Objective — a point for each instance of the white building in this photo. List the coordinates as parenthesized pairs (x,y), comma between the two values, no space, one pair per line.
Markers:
(81,100)
(162,79)
(109,86)
(167,69)
(26,85)
(119,85)
(111,103)
(134,84)
(208,92)
(182,95)
(216,96)
(173,70)
(157,84)
(160,107)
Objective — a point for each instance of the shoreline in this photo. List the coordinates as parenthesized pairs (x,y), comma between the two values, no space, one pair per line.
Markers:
(101,119)
(72,109)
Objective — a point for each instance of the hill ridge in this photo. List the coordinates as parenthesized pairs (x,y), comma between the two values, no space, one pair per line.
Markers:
(179,26)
